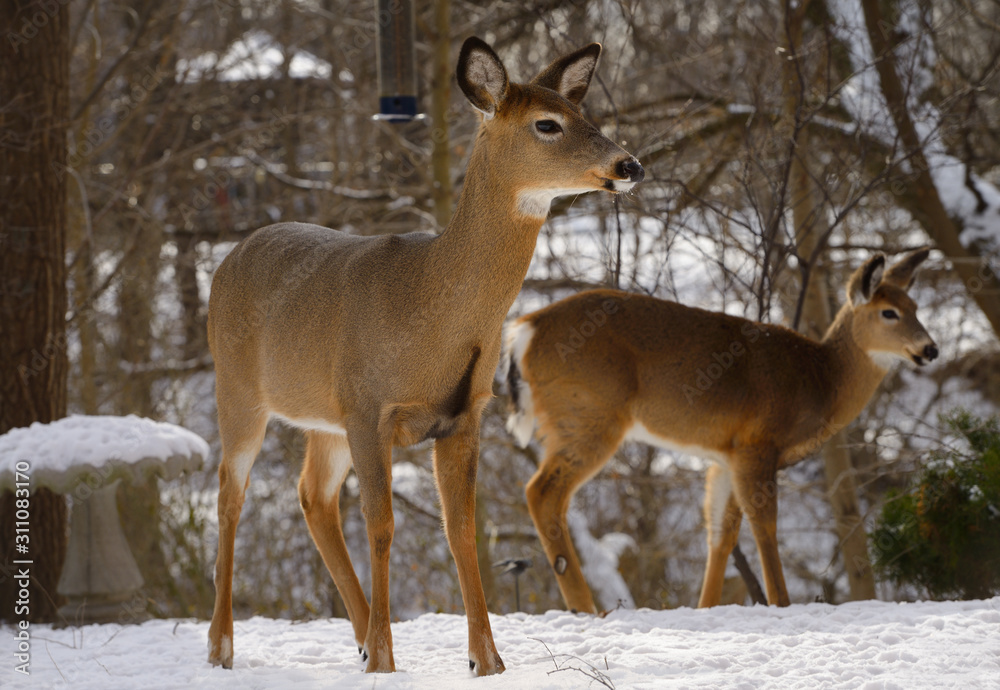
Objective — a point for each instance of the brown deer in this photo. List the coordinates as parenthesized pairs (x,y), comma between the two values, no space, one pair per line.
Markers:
(372,342)
(603,367)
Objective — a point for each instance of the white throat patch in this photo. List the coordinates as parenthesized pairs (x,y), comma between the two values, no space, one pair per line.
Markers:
(536,202)
(884,360)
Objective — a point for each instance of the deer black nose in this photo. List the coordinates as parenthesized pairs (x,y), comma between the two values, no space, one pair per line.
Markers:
(930,352)
(631,170)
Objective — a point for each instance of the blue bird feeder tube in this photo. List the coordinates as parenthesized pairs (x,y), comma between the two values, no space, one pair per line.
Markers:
(397,68)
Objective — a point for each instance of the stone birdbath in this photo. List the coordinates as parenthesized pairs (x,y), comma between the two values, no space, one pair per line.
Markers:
(85,457)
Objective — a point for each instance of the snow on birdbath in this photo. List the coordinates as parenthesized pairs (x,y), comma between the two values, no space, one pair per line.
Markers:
(86,457)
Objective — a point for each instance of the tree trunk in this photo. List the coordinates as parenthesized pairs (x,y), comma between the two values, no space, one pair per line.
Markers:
(440,95)
(486,574)
(647,577)
(139,504)
(192,314)
(79,237)
(842,492)
(923,199)
(811,228)
(34,87)
(837,462)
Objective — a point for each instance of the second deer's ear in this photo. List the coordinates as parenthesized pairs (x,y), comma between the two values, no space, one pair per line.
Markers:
(866,280)
(570,75)
(903,272)
(481,76)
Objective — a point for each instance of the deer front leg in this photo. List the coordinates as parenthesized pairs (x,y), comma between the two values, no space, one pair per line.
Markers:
(722,522)
(328,458)
(455,462)
(756,489)
(372,465)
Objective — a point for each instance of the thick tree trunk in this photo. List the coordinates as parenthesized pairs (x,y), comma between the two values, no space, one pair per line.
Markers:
(923,199)
(34,111)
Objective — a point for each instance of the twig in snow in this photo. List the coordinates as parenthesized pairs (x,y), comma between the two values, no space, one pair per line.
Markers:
(113,636)
(591,672)
(54,664)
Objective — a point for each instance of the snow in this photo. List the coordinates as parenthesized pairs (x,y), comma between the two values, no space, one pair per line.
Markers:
(599,560)
(61,453)
(857,645)
(257,55)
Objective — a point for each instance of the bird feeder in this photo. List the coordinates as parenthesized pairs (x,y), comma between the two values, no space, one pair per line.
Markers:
(397,68)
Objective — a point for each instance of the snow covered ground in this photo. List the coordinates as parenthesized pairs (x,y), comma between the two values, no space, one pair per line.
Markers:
(859,645)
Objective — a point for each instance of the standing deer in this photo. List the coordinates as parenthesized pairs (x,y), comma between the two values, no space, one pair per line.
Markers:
(604,367)
(372,342)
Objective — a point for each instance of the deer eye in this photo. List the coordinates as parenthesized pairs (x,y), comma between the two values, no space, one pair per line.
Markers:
(890,314)
(548,126)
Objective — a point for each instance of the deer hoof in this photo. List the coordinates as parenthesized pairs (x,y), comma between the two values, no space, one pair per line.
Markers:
(496,666)
(221,654)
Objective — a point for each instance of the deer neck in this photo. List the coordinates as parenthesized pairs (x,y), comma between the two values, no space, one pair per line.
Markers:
(854,375)
(485,251)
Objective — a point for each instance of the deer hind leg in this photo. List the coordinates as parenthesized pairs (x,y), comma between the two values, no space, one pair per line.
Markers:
(569,462)
(241,441)
(328,459)
(455,463)
(756,490)
(372,454)
(722,522)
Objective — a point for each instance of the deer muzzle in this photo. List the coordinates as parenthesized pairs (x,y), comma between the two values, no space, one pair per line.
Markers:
(630,172)
(927,354)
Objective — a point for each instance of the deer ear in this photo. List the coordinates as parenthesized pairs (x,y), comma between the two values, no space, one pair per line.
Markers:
(570,75)
(904,272)
(866,280)
(481,76)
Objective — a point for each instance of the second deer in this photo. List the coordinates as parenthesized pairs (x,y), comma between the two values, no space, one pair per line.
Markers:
(603,367)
